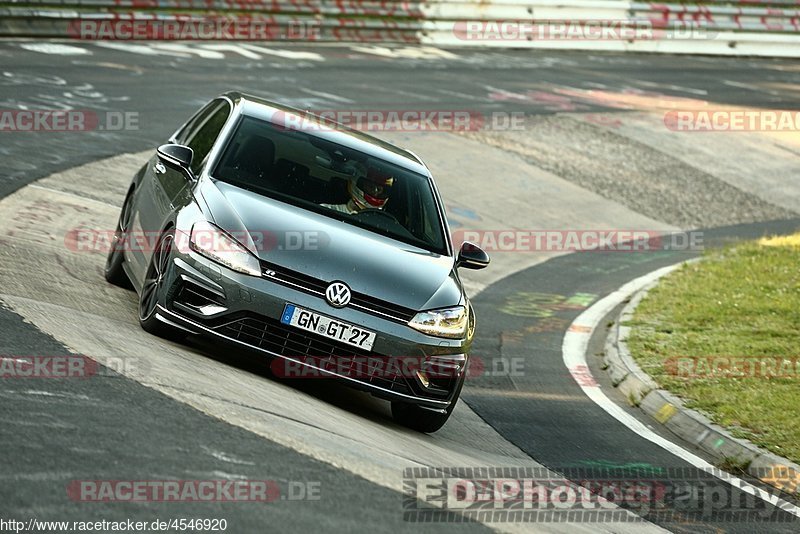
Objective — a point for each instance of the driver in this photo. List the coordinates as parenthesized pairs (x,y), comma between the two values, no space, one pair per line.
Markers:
(367,191)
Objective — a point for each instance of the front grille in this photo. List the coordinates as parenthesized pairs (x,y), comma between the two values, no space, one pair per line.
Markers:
(287,276)
(309,284)
(272,335)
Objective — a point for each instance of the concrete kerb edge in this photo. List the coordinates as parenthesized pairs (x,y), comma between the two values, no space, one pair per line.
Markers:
(669,411)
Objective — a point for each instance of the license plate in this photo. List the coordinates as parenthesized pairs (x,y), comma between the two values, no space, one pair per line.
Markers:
(327,327)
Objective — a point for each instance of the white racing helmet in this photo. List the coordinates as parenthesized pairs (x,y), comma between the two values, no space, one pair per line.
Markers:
(371,190)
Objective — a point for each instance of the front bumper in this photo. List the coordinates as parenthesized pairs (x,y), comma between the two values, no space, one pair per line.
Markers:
(207,299)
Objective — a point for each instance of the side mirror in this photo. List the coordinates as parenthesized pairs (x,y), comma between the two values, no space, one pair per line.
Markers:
(471,256)
(177,157)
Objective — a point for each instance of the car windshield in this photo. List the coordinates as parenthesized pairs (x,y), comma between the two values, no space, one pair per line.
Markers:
(316,174)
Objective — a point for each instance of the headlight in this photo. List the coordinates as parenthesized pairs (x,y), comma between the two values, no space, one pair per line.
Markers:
(216,245)
(447,322)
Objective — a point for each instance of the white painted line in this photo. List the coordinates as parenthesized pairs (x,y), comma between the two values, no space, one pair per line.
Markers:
(186,49)
(407,52)
(223,457)
(509,95)
(741,85)
(216,473)
(55,49)
(680,88)
(286,54)
(230,47)
(573,350)
(329,96)
(144,50)
(458,94)
(751,87)
(73,396)
(374,50)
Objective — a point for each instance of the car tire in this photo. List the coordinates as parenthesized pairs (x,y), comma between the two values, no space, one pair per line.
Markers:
(420,419)
(152,287)
(113,271)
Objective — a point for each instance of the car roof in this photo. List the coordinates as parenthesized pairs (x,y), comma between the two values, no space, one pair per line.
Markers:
(329,130)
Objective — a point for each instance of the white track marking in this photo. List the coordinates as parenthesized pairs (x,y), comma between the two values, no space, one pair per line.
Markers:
(55,49)
(328,96)
(58,395)
(457,94)
(221,456)
(680,88)
(740,85)
(144,50)
(408,52)
(186,49)
(230,47)
(506,93)
(286,54)
(574,347)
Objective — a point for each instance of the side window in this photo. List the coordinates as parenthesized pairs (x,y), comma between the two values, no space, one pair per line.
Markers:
(425,215)
(198,118)
(205,132)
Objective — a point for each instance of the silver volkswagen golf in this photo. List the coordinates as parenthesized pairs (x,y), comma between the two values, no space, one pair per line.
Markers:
(315,245)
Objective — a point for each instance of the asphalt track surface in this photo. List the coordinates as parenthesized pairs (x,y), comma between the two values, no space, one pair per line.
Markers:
(557,428)
(115,428)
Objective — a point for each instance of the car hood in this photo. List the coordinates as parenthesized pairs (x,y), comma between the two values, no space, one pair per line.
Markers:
(329,249)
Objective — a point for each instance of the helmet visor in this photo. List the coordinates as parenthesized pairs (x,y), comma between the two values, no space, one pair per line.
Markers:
(375,189)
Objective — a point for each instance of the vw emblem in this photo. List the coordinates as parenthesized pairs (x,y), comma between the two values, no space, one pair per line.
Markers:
(338,294)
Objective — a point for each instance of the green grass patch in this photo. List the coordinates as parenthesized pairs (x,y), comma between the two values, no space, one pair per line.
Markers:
(740,305)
